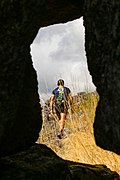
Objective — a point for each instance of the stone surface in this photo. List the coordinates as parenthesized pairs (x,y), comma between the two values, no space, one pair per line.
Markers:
(20,111)
(40,162)
(102,29)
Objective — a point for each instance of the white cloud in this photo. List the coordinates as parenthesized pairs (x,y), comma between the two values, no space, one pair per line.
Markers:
(71,45)
(58,52)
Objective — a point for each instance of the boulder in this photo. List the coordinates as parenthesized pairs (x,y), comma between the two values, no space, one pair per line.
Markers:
(102,33)
(40,162)
(20,110)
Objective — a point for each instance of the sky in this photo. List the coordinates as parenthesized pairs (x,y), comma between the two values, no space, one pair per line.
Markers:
(58,52)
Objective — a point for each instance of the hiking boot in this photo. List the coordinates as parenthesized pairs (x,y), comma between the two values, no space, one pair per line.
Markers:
(59,135)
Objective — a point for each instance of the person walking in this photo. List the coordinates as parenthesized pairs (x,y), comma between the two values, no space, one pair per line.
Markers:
(61,100)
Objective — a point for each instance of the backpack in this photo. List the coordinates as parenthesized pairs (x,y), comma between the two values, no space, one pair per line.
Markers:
(61,95)
(60,98)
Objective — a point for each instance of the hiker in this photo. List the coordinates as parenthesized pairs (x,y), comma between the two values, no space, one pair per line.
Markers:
(61,100)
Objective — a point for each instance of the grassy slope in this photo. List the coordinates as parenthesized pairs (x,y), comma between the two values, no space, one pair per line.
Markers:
(78,143)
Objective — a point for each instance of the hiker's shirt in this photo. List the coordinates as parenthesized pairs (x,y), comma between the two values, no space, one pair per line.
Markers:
(61,95)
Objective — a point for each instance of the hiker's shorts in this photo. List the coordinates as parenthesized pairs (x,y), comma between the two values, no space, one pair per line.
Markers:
(62,108)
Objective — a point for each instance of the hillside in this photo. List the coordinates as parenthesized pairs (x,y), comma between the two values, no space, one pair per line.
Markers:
(78,142)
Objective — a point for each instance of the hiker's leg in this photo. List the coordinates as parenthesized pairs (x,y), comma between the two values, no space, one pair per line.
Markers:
(57,111)
(62,122)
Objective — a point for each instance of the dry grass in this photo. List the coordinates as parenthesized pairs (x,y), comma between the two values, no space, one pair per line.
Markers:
(78,143)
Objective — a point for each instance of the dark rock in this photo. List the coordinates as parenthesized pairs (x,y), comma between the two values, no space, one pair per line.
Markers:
(40,162)
(102,34)
(91,172)
(20,111)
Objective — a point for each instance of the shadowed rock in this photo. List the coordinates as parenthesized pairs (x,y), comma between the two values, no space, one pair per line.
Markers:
(40,162)
(20,111)
(102,29)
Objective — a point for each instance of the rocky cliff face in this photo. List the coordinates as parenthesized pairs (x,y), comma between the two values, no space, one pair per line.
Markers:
(102,25)
(20,112)
(40,162)
(20,118)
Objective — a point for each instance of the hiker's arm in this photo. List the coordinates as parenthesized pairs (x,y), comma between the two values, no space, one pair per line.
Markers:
(51,102)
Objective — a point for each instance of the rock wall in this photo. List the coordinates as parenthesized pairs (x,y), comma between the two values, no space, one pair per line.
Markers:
(20,111)
(102,29)
(40,162)
(20,118)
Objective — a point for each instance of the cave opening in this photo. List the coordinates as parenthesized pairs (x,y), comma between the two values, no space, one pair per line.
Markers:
(21,118)
(58,52)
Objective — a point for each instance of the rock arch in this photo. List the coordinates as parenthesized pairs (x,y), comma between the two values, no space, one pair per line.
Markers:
(20,111)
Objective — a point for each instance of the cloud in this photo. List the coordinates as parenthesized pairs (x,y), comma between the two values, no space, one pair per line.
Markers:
(71,45)
(48,33)
(58,52)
